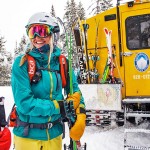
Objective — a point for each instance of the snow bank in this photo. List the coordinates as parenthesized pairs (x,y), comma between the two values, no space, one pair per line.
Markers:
(95,137)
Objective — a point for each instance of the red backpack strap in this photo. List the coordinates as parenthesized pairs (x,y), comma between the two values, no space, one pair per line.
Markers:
(31,66)
(63,69)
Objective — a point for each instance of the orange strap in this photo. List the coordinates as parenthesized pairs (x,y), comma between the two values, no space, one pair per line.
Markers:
(13,117)
(31,66)
(63,69)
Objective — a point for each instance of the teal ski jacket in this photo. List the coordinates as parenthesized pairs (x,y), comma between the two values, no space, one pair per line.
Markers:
(36,102)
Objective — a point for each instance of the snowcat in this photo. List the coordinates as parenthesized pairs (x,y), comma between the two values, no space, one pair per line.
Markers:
(114,58)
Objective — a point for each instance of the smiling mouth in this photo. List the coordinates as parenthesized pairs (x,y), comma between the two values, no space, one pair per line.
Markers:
(39,42)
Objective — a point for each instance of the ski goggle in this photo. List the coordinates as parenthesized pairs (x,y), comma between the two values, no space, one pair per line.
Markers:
(39,30)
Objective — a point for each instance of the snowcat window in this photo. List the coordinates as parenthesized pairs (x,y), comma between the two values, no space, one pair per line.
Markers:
(138,32)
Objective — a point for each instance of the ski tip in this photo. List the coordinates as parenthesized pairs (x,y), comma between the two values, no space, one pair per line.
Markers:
(106,31)
(110,32)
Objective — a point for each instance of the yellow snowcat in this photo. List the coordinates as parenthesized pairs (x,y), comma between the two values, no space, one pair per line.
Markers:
(114,59)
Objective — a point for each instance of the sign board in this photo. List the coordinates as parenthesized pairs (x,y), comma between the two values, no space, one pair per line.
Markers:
(102,96)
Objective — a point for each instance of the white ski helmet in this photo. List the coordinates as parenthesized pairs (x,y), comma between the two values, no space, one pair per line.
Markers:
(44,18)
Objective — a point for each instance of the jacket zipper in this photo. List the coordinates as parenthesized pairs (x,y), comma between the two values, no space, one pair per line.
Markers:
(51,90)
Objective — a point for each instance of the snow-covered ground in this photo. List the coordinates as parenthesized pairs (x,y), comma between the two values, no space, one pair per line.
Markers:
(95,137)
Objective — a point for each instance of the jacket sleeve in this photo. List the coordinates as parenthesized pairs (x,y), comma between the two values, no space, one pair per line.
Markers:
(23,96)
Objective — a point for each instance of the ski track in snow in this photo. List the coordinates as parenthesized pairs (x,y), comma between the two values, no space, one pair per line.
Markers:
(95,137)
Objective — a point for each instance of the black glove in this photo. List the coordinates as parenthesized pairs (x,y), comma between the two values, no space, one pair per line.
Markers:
(67,110)
(63,108)
(3,122)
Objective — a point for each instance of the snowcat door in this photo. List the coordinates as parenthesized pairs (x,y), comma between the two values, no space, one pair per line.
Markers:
(136,52)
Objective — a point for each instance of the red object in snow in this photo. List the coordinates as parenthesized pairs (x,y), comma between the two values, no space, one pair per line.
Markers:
(5,139)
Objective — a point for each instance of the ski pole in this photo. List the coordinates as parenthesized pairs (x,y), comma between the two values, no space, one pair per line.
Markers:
(70,64)
(72,145)
(72,142)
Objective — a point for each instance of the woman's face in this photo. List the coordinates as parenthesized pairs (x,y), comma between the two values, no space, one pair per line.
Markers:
(39,42)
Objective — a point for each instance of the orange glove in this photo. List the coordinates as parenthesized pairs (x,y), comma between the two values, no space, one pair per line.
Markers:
(75,97)
(78,128)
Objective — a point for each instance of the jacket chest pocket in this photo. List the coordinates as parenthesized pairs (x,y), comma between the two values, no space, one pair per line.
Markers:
(55,79)
(49,86)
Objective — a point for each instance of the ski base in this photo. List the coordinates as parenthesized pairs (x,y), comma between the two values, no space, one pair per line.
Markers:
(69,147)
(104,118)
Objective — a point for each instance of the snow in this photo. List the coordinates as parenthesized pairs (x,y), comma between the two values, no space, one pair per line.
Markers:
(95,137)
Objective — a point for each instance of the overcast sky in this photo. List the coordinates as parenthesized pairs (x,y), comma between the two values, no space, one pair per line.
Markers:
(14,15)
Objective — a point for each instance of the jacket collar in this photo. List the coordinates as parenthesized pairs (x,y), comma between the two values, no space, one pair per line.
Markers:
(44,51)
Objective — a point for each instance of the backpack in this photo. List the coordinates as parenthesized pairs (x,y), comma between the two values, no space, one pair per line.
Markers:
(63,68)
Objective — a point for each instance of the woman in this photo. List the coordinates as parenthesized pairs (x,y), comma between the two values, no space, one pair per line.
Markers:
(40,103)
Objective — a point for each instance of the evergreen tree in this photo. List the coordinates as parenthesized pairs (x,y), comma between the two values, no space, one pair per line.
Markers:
(99,6)
(72,11)
(5,63)
(21,48)
(67,11)
(66,20)
(81,11)
(69,19)
(2,43)
(16,50)
(53,11)
(70,14)
(106,4)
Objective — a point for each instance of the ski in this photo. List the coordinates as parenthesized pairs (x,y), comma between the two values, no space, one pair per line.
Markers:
(95,111)
(74,145)
(98,122)
(85,28)
(105,73)
(98,118)
(109,67)
(80,52)
(104,118)
(95,57)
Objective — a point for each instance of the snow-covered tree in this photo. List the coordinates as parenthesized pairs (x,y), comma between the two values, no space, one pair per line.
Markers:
(5,63)
(72,12)
(21,48)
(53,11)
(106,4)
(66,20)
(69,19)
(81,11)
(2,44)
(99,6)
